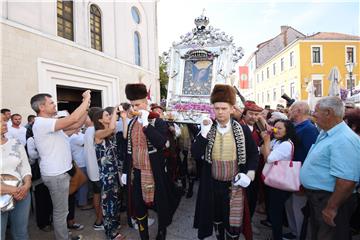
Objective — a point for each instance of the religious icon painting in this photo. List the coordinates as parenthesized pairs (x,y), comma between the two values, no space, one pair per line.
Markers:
(197,77)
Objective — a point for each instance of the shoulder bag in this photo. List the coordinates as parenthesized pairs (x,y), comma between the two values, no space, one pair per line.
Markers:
(283,175)
(7,201)
(78,178)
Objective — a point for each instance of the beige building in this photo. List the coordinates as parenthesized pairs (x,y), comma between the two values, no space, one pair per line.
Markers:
(300,65)
(62,48)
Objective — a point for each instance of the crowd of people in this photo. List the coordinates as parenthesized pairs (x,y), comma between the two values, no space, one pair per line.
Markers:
(130,158)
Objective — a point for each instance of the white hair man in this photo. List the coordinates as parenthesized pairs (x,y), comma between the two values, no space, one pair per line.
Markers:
(331,171)
(306,133)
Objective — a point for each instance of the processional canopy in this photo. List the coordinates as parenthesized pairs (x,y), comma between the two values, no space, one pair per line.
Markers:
(203,57)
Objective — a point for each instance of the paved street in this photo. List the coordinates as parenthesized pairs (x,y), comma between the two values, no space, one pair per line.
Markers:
(180,229)
(287,71)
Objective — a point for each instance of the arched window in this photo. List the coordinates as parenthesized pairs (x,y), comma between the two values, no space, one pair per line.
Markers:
(137,48)
(95,27)
(135,15)
(65,24)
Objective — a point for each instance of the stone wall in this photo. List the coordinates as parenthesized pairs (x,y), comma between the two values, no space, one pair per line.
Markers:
(22,51)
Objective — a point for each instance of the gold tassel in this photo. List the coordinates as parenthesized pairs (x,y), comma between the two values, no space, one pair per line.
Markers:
(141,227)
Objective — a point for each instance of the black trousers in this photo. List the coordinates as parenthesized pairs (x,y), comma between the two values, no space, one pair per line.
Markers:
(222,205)
(277,199)
(355,219)
(72,200)
(252,195)
(43,206)
(139,204)
(319,229)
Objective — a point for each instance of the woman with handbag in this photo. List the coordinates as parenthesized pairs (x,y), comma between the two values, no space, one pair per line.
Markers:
(281,148)
(109,169)
(15,184)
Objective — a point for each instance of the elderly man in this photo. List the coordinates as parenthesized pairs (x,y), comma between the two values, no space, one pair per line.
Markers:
(331,171)
(230,158)
(306,133)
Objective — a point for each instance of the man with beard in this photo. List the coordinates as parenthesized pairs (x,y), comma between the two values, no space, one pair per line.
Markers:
(16,130)
(250,117)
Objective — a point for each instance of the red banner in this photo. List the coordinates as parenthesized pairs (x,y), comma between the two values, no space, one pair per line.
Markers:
(243,77)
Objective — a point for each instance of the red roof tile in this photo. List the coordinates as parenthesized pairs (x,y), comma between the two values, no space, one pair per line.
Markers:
(332,36)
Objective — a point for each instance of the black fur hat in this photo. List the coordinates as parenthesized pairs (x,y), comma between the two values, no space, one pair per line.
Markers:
(223,93)
(135,91)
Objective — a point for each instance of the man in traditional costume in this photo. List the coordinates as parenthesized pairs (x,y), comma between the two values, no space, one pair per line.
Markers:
(228,153)
(171,153)
(252,118)
(144,166)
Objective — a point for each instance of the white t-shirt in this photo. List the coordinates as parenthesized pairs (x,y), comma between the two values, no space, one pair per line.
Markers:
(77,149)
(17,133)
(53,147)
(92,167)
(280,151)
(31,150)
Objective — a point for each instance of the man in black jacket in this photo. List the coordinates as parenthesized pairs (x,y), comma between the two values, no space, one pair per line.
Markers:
(229,153)
(144,166)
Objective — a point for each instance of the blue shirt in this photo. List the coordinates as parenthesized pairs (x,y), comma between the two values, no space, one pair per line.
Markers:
(306,133)
(335,154)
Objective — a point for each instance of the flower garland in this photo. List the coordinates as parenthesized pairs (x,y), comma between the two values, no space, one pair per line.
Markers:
(196,107)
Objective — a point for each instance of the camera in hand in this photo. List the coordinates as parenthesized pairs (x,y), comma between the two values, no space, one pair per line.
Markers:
(289,101)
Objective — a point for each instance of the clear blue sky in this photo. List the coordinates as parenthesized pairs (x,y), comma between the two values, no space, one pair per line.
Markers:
(252,22)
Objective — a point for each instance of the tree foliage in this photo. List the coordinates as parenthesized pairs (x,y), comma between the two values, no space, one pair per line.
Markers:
(163,77)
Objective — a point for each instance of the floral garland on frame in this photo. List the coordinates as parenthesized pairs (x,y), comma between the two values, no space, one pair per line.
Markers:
(196,107)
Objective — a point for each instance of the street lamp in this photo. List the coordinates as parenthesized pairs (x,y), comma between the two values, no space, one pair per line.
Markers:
(349,67)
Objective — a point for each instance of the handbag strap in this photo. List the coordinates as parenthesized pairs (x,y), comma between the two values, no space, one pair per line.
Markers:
(292,154)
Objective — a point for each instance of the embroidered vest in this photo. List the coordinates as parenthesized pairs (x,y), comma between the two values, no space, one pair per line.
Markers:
(239,142)
(224,165)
